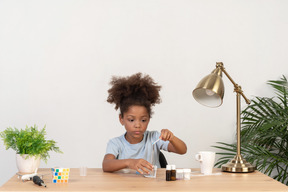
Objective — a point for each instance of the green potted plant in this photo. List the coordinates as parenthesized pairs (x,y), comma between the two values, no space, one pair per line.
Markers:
(30,145)
(264,134)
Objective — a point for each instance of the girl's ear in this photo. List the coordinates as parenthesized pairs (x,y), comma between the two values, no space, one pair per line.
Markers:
(121,119)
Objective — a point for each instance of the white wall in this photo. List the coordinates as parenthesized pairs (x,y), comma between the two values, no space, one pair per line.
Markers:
(57,57)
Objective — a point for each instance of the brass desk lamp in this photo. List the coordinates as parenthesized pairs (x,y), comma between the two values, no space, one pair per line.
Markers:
(210,92)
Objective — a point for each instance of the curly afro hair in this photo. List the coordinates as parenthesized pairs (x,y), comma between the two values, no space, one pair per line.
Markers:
(136,89)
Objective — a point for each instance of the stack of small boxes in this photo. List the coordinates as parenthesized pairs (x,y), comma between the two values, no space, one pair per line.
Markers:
(60,175)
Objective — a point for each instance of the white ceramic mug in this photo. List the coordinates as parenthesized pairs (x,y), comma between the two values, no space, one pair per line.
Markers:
(206,159)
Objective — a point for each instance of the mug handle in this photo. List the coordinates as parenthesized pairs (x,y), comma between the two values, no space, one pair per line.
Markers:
(198,157)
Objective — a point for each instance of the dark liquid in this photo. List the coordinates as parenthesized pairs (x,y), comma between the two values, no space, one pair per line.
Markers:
(168,175)
(173,175)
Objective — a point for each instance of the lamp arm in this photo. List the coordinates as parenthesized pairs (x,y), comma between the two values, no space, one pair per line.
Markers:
(237,88)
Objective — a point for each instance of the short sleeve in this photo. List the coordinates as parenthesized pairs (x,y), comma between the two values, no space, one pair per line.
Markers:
(112,148)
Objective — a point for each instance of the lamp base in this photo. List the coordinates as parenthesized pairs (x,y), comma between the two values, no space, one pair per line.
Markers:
(238,165)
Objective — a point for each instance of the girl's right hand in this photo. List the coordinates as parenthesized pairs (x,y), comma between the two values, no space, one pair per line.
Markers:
(140,165)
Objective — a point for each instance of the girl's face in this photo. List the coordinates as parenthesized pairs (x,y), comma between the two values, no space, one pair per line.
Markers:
(135,121)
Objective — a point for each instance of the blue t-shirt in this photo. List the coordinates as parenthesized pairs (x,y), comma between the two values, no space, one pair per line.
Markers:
(122,149)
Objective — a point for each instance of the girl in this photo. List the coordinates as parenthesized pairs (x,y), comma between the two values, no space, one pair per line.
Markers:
(134,96)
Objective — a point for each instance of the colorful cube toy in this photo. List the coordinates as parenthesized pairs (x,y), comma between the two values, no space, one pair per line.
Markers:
(60,175)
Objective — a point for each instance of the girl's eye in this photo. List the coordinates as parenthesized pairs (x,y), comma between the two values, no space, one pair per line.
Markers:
(131,120)
(144,120)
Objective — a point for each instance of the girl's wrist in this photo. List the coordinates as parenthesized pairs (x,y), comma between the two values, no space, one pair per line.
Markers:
(172,138)
(127,163)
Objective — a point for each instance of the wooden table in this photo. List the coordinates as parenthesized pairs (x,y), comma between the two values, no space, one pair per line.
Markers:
(96,180)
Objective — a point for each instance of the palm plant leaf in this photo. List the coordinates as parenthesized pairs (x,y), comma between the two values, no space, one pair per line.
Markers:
(264,134)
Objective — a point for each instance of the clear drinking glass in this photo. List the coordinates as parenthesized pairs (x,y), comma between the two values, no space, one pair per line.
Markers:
(152,173)
(83,171)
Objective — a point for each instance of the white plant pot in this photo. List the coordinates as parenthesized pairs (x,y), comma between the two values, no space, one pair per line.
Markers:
(28,165)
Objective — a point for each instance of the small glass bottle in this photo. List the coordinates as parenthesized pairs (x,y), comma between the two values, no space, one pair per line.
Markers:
(173,172)
(168,172)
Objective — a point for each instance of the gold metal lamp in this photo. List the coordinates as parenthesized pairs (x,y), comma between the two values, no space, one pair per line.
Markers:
(210,92)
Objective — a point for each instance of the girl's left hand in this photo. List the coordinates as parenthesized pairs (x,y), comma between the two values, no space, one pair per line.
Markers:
(166,135)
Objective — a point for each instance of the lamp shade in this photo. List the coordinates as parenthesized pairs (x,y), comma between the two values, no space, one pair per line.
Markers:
(210,90)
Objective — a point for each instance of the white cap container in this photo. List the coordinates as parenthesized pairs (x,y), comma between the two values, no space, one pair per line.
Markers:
(186,174)
(179,174)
